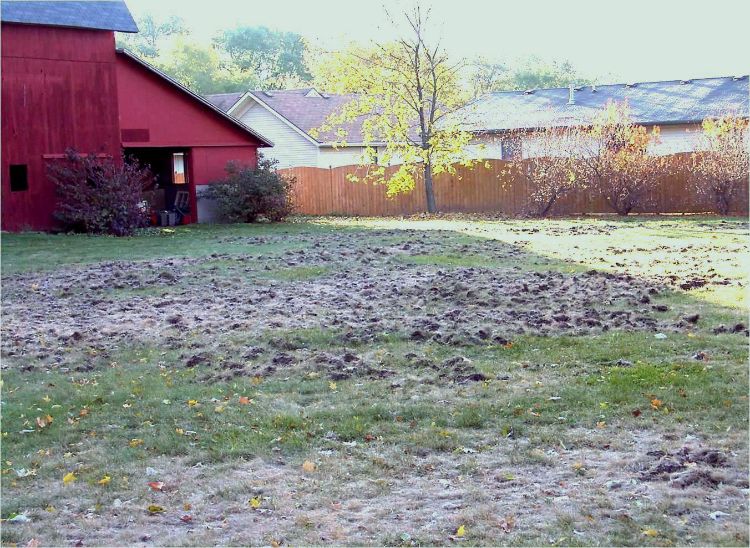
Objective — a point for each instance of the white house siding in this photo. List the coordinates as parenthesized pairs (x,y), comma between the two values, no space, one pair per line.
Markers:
(672,139)
(342,156)
(678,138)
(289,147)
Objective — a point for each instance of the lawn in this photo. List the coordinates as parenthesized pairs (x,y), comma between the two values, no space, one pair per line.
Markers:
(376,381)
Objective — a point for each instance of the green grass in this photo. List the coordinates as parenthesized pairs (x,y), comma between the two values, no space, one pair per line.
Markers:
(369,435)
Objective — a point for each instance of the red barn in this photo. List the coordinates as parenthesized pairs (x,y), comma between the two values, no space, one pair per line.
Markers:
(65,86)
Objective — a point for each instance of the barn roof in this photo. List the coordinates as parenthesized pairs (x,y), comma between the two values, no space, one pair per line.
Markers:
(216,111)
(304,108)
(88,14)
(666,102)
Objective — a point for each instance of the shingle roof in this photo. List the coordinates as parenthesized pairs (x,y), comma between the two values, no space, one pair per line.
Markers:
(304,112)
(668,102)
(125,54)
(94,14)
(224,101)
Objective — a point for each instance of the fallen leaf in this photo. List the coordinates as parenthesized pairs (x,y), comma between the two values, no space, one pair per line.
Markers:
(192,403)
(187,506)
(601,424)
(636,413)
(255,503)
(135,442)
(104,481)
(156,485)
(154,509)
(656,404)
(651,533)
(308,466)
(244,400)
(461,531)
(68,478)
(332,385)
(507,524)
(186,518)
(41,422)
(370,437)
(33,543)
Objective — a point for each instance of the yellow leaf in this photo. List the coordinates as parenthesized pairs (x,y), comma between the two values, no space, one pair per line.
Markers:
(46,398)
(651,533)
(104,481)
(135,442)
(192,403)
(219,408)
(332,385)
(308,466)
(461,531)
(255,503)
(68,478)
(154,509)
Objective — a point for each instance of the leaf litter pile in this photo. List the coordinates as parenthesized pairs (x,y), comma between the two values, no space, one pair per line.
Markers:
(437,330)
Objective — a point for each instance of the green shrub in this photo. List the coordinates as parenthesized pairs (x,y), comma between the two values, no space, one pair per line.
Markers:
(248,194)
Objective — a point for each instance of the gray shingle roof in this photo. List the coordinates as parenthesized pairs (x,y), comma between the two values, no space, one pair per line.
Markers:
(668,102)
(306,113)
(93,14)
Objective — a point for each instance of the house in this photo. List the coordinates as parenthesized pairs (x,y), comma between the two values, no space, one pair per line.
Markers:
(64,85)
(290,118)
(678,107)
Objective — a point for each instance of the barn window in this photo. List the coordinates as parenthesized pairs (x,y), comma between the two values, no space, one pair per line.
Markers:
(19,178)
(178,168)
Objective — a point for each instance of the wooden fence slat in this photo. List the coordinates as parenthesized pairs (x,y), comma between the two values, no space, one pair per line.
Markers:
(500,187)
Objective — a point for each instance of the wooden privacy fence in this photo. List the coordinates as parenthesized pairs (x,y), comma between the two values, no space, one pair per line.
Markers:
(493,186)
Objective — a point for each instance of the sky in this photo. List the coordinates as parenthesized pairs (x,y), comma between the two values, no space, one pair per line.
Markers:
(612,41)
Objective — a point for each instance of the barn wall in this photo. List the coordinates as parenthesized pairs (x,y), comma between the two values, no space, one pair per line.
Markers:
(155,113)
(58,91)
(209,166)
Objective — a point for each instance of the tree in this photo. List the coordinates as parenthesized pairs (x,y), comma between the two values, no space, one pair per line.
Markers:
(555,169)
(274,58)
(529,73)
(151,35)
(721,169)
(616,161)
(406,91)
(199,68)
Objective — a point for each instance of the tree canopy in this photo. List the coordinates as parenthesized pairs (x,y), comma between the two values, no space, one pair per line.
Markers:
(406,91)
(528,73)
(236,60)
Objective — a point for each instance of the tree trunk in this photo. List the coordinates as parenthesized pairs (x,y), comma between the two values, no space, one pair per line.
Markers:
(722,203)
(429,189)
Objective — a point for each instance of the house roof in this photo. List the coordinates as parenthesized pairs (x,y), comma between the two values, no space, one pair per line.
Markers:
(667,102)
(218,112)
(87,14)
(304,108)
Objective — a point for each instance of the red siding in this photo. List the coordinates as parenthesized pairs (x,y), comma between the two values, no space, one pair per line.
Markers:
(58,91)
(172,117)
(209,163)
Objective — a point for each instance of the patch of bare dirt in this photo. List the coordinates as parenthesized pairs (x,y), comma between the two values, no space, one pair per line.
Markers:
(368,291)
